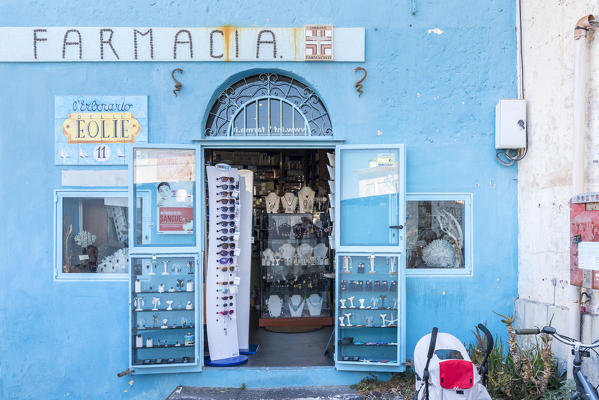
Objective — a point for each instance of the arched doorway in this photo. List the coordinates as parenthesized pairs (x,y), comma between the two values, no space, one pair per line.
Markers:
(292,260)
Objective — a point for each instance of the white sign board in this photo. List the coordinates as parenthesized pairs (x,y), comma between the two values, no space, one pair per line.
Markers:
(225,43)
(588,255)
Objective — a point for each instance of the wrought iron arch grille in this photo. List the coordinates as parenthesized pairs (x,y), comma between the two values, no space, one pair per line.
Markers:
(268,105)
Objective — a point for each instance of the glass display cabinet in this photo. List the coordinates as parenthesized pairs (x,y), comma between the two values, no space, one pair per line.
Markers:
(165,260)
(295,258)
(370,313)
(164,311)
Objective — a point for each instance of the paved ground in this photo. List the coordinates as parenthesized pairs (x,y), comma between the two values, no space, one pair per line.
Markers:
(306,393)
(289,349)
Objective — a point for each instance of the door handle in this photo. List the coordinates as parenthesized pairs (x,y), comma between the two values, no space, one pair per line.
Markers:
(395,226)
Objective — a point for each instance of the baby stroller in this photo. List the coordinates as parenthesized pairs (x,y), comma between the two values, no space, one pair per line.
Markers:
(445,371)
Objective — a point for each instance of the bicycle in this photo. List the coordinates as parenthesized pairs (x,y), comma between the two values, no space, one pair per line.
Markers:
(584,390)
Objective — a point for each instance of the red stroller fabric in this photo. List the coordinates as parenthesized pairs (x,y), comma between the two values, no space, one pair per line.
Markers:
(456,374)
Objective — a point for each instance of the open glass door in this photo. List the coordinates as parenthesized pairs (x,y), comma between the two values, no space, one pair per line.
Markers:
(370,257)
(165,285)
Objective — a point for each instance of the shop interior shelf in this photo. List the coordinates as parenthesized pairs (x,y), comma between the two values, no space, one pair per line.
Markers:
(165,292)
(373,361)
(191,346)
(175,363)
(162,310)
(162,329)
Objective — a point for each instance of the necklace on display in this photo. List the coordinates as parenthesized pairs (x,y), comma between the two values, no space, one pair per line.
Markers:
(291,201)
(314,304)
(296,305)
(272,203)
(307,196)
(274,304)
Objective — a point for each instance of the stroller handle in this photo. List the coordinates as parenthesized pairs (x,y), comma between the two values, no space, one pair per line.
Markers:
(431,346)
(489,338)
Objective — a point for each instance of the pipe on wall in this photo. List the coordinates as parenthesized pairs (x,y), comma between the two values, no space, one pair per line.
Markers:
(581,73)
(582,32)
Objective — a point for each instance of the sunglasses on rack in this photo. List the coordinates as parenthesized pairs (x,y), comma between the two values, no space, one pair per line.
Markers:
(227,230)
(225,305)
(226,223)
(225,283)
(227,179)
(225,260)
(226,216)
(225,209)
(225,187)
(226,298)
(225,238)
(227,245)
(226,312)
(225,201)
(225,253)
(225,269)
(223,290)
(225,194)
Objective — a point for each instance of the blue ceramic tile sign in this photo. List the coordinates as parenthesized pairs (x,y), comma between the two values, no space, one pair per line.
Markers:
(98,130)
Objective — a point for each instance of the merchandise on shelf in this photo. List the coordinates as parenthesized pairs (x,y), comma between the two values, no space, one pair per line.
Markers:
(163,310)
(368,309)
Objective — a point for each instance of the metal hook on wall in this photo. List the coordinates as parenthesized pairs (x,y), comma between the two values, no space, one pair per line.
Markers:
(177,83)
(358,84)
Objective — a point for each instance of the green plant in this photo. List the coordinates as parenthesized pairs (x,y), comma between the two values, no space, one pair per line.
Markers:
(564,392)
(516,372)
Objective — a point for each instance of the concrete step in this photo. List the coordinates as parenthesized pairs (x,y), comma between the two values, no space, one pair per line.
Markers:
(308,393)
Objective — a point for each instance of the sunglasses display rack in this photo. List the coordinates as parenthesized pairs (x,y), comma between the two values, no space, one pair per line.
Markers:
(163,302)
(222,279)
(368,310)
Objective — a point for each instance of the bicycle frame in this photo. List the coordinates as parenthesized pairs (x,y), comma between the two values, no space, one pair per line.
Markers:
(584,390)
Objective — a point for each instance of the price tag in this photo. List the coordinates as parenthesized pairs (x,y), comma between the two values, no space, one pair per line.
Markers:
(236,280)
(237,251)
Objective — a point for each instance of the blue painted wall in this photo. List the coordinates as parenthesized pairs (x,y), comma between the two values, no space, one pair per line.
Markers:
(435,93)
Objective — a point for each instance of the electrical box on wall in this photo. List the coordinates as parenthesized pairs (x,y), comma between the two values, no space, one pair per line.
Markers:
(584,240)
(510,124)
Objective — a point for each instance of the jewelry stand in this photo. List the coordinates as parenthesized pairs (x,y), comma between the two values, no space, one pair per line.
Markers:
(372,271)
(304,252)
(392,269)
(320,254)
(289,201)
(274,304)
(314,304)
(306,197)
(296,305)
(273,202)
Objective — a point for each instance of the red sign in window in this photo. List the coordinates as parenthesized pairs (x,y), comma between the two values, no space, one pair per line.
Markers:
(175,219)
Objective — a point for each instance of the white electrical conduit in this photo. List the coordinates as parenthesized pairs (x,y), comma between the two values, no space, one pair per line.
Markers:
(581,72)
